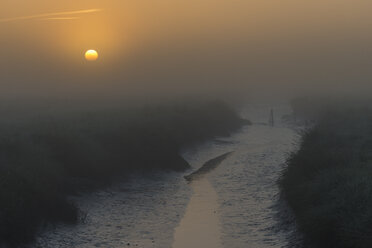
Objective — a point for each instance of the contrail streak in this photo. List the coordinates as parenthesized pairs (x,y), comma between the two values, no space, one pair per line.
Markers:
(61,18)
(19,18)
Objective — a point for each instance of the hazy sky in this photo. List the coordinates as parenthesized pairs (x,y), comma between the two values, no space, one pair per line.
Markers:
(179,46)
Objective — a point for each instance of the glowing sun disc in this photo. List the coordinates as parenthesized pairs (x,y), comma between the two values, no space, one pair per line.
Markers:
(91,55)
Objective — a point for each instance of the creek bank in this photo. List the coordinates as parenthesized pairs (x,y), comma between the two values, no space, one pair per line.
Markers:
(328,181)
(48,159)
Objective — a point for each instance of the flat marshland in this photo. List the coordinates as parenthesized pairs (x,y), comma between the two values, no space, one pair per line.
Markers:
(46,158)
(328,181)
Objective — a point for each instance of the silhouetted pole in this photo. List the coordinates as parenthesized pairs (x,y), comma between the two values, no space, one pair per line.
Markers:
(271,119)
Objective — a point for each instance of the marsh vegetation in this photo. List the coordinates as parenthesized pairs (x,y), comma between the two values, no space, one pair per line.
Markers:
(46,158)
(328,181)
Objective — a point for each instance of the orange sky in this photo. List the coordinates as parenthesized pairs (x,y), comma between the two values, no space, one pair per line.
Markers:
(185,45)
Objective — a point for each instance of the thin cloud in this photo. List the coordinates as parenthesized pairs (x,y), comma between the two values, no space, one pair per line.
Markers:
(62,18)
(44,16)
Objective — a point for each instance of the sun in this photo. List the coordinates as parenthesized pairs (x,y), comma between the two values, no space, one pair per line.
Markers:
(91,55)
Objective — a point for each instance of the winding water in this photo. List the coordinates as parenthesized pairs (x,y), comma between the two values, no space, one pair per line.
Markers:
(235,205)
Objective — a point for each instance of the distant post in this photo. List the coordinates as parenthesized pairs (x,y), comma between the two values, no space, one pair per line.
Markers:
(271,119)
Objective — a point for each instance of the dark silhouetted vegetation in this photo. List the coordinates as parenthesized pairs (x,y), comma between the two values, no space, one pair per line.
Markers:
(328,181)
(43,160)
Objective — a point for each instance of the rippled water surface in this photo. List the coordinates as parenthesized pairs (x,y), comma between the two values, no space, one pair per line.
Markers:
(155,211)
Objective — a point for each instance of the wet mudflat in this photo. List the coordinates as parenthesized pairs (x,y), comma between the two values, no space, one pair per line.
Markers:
(235,204)
(200,226)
